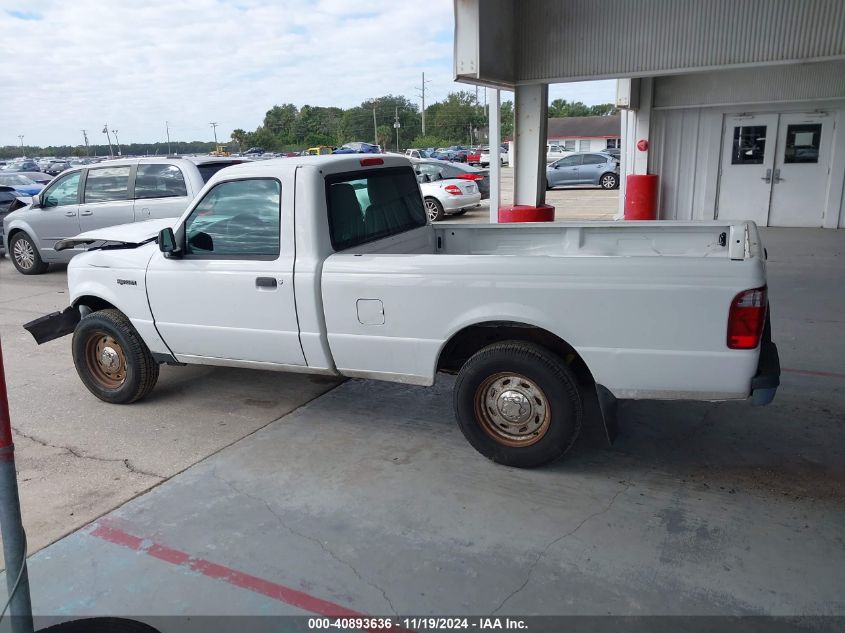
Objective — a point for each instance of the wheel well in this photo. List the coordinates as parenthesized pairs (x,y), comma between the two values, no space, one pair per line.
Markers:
(94,304)
(14,232)
(469,340)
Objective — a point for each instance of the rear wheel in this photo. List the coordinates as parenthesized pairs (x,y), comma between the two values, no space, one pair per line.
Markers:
(434,209)
(112,360)
(518,404)
(609,181)
(25,255)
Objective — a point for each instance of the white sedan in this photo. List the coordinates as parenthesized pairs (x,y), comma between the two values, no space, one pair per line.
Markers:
(484,159)
(452,196)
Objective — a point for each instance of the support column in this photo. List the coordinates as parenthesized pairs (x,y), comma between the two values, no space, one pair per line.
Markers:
(494,140)
(531,105)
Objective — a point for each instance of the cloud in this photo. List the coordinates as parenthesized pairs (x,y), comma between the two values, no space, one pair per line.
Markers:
(137,65)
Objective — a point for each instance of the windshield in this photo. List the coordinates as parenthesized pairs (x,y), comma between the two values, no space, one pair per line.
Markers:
(364,206)
(10,180)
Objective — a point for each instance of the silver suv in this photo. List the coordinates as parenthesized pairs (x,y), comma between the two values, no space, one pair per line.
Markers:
(92,197)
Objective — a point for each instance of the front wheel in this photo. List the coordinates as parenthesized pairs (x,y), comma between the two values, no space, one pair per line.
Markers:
(518,404)
(434,209)
(25,255)
(609,181)
(112,360)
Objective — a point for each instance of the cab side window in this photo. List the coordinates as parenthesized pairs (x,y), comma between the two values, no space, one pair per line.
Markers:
(107,184)
(238,219)
(63,191)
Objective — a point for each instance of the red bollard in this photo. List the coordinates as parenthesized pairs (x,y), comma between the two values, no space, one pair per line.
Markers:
(641,197)
(526,213)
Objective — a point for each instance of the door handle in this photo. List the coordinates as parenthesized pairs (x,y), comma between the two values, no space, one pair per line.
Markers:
(265,283)
(70,214)
(777,177)
(768,177)
(86,213)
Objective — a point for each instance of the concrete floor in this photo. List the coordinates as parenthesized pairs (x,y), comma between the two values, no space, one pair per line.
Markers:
(573,203)
(78,457)
(368,499)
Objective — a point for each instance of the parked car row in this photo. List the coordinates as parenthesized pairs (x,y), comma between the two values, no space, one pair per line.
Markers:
(95,196)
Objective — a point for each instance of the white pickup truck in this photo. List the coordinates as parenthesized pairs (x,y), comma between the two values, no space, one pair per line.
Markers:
(328,265)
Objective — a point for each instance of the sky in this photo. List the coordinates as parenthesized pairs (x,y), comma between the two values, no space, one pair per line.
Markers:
(68,66)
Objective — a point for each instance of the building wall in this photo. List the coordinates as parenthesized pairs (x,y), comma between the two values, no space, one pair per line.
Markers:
(582,144)
(686,129)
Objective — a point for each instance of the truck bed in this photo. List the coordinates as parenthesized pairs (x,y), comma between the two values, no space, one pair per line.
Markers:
(644,304)
(600,239)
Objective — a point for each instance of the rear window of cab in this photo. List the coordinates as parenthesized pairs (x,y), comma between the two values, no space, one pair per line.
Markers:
(368,205)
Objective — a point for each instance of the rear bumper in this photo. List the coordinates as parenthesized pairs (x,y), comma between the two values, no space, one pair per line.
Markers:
(765,383)
(456,203)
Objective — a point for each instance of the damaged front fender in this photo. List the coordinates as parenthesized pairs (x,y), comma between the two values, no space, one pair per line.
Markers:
(54,325)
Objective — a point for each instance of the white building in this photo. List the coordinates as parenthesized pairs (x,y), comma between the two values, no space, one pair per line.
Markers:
(741,102)
(585,133)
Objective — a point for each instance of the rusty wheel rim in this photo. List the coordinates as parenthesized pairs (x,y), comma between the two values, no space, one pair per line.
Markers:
(512,409)
(106,360)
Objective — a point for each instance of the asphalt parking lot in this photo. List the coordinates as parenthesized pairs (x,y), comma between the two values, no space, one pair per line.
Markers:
(241,492)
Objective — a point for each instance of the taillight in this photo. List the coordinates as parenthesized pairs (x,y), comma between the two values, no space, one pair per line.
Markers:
(471,177)
(746,319)
(367,162)
(455,190)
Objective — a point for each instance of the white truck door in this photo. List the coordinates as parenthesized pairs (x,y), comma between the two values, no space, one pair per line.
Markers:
(230,296)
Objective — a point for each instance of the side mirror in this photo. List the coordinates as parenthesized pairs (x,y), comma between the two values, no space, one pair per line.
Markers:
(167,243)
(36,201)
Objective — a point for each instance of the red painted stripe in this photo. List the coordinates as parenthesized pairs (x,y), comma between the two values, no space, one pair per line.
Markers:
(280,593)
(808,372)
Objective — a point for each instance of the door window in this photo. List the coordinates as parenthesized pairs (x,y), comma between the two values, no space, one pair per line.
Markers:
(749,145)
(64,191)
(159,181)
(239,219)
(107,184)
(802,143)
(569,161)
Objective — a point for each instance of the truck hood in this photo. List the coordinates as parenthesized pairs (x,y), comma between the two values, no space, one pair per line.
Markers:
(120,236)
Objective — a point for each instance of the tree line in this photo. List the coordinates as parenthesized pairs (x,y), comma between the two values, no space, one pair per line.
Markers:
(459,119)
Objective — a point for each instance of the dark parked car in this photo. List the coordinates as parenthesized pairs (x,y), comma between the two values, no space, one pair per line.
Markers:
(9,201)
(57,167)
(38,176)
(590,168)
(22,165)
(440,170)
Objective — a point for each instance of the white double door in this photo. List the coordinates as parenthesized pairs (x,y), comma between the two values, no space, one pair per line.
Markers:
(775,168)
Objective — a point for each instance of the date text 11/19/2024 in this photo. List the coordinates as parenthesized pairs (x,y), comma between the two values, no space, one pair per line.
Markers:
(417,624)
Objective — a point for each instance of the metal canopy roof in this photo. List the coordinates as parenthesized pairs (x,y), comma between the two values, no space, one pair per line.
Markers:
(502,43)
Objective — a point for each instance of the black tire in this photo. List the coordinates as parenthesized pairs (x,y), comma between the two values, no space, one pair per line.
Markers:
(553,421)
(548,186)
(24,255)
(434,209)
(609,181)
(127,379)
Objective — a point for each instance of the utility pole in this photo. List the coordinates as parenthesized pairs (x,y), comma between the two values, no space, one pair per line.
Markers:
(214,125)
(375,125)
(106,132)
(85,136)
(397,125)
(422,94)
(20,136)
(167,126)
(116,140)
